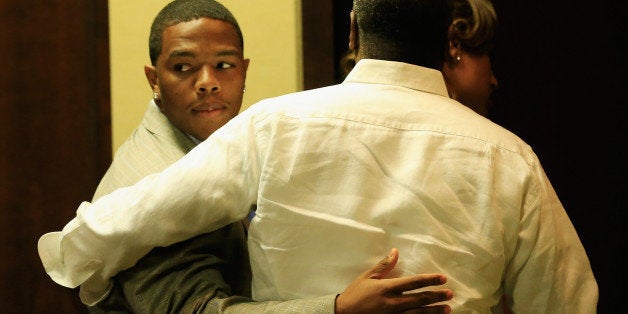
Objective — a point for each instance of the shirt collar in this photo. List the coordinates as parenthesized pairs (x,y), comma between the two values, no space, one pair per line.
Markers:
(157,123)
(400,74)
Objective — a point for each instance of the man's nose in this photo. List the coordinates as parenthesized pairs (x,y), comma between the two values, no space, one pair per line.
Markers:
(207,82)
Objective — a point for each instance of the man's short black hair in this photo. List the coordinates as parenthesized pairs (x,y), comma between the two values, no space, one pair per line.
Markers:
(179,11)
(412,31)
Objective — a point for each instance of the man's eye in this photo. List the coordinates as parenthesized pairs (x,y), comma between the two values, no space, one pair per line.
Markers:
(225,65)
(182,67)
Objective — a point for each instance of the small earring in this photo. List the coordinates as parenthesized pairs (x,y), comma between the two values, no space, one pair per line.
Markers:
(458,58)
(244,90)
(155,96)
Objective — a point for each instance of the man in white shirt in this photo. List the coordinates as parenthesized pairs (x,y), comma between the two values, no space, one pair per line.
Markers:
(197,74)
(339,174)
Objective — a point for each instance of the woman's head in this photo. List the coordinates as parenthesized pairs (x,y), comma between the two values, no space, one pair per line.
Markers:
(467,68)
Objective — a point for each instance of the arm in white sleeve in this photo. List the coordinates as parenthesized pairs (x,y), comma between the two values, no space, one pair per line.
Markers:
(550,271)
(210,187)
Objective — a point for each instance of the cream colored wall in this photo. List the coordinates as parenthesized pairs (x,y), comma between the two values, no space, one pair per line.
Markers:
(272,40)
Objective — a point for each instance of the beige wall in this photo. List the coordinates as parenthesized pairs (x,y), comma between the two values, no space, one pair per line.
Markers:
(272,40)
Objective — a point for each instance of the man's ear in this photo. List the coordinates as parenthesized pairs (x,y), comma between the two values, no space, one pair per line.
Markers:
(246,66)
(151,77)
(354,42)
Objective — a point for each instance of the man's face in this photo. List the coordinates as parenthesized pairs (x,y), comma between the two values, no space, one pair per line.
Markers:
(199,75)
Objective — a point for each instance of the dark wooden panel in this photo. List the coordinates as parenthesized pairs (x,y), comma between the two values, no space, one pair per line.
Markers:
(55,127)
(325,40)
(318,43)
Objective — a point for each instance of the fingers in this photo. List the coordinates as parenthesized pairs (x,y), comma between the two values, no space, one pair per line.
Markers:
(424,302)
(435,309)
(371,293)
(420,302)
(424,298)
(403,284)
(384,266)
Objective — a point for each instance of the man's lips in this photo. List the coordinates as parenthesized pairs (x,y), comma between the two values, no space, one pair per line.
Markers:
(210,111)
(206,109)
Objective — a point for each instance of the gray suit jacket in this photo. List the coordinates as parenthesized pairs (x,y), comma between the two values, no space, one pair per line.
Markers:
(194,276)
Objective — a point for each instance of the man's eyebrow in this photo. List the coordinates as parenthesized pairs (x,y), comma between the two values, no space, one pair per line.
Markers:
(230,52)
(181,53)
(186,53)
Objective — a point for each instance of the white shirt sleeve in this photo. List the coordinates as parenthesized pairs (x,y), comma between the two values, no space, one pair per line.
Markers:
(212,186)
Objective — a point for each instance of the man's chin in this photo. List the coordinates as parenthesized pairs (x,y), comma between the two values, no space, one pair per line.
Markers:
(204,134)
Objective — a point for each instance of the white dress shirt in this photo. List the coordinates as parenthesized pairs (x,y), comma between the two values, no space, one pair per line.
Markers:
(341,174)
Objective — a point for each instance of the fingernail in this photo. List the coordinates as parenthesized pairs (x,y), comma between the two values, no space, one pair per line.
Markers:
(450,294)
